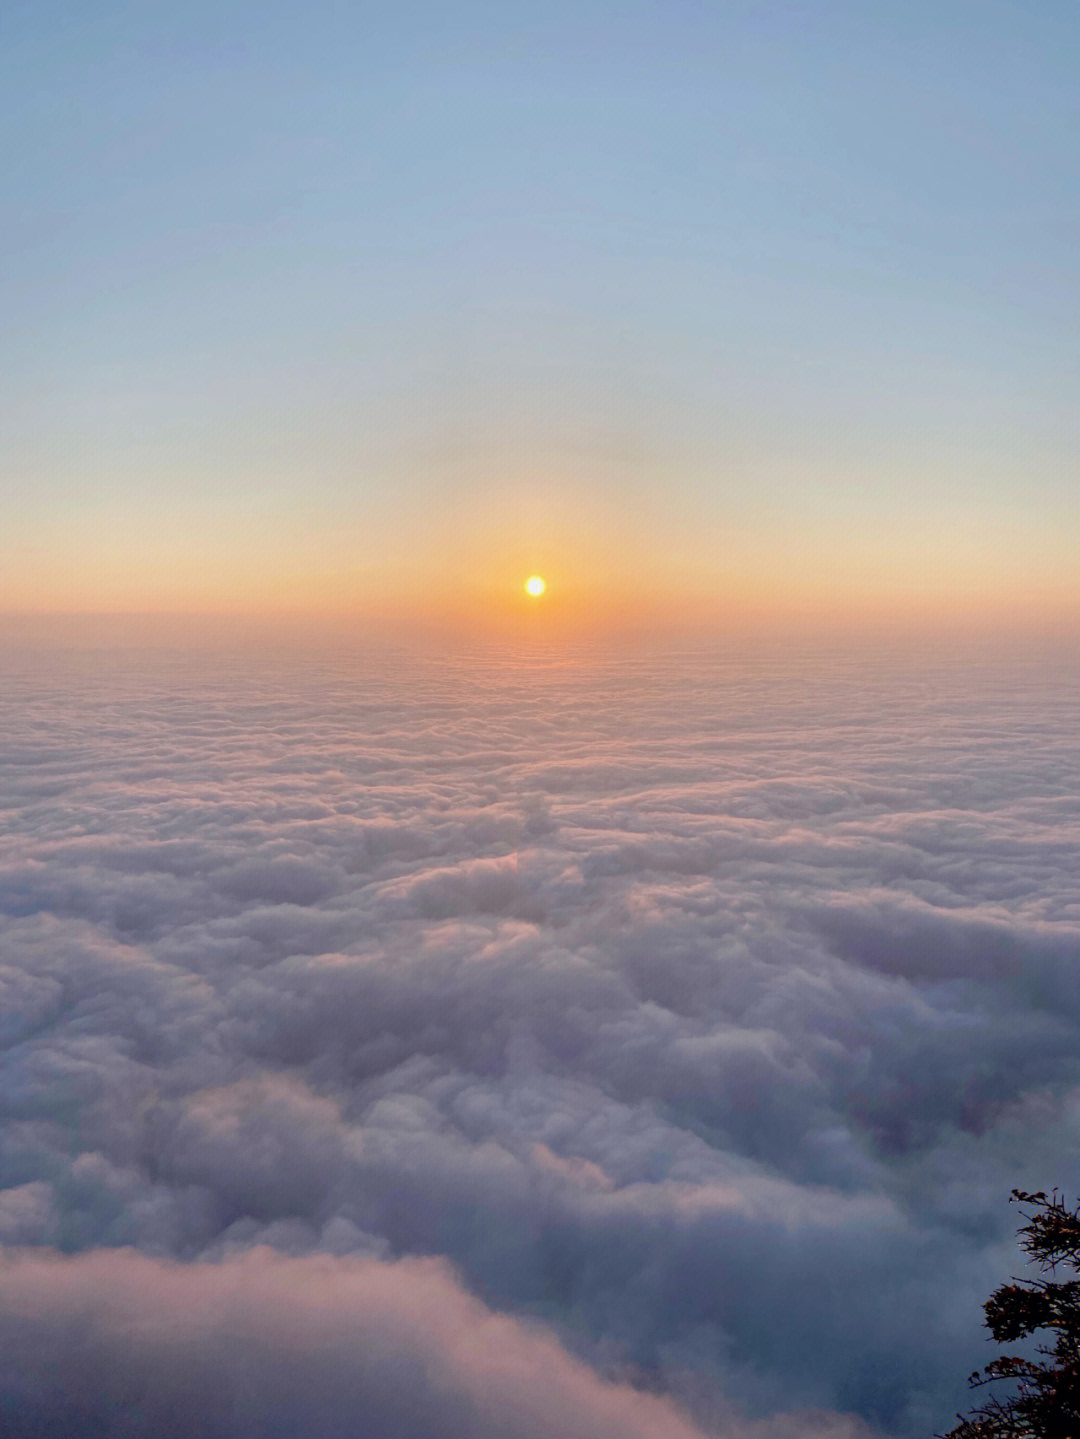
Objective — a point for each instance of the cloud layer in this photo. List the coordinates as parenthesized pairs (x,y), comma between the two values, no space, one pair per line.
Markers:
(699,1010)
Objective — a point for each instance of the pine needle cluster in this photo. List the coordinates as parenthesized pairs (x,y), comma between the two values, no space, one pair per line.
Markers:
(1045,1398)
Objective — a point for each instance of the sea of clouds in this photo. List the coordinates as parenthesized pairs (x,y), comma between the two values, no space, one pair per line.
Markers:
(526,1044)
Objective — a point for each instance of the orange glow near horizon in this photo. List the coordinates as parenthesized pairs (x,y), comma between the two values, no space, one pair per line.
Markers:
(333,582)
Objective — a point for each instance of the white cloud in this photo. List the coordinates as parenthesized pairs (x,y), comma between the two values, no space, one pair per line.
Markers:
(707,1015)
(313,1347)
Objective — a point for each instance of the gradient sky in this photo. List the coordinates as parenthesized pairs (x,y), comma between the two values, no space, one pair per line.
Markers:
(728,306)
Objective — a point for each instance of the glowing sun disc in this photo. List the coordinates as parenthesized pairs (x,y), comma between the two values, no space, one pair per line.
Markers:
(535,586)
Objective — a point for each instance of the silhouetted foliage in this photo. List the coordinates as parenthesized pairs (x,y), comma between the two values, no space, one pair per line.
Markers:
(1045,1402)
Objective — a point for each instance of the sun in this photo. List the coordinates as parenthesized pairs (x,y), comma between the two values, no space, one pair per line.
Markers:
(535,586)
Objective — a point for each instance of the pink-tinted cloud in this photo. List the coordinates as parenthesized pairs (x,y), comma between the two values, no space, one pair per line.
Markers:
(116,1342)
(706,1012)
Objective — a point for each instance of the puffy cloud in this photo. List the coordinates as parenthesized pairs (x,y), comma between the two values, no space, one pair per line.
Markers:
(315,1347)
(704,1011)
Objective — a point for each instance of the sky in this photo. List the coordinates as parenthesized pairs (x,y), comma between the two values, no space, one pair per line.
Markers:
(421,1016)
(705,312)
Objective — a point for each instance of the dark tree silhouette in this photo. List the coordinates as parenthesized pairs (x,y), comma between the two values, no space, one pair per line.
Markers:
(1045,1401)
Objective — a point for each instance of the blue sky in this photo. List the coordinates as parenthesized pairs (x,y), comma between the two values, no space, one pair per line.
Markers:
(346,297)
